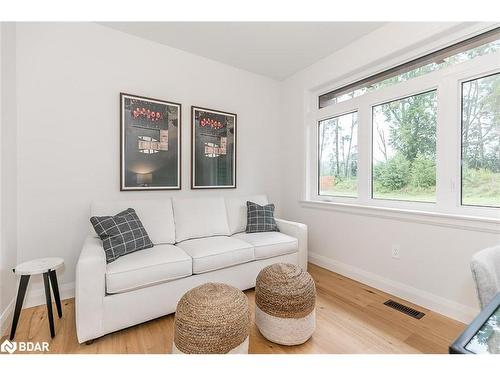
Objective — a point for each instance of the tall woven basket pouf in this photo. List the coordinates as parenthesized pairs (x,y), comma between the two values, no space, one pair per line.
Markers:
(285,299)
(212,318)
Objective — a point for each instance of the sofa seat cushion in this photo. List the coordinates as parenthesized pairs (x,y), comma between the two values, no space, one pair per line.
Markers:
(147,267)
(270,244)
(213,253)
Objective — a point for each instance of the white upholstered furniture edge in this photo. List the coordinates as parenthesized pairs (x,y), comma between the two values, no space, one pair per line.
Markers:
(106,303)
(485,267)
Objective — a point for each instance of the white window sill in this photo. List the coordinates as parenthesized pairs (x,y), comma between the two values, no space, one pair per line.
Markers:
(474,223)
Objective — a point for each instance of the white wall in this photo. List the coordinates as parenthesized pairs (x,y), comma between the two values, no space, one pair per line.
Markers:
(8,170)
(69,77)
(68,80)
(434,266)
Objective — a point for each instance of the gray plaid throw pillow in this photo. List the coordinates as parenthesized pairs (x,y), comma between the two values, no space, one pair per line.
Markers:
(121,234)
(260,218)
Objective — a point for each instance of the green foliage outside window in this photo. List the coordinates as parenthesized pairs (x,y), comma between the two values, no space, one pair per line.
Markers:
(338,155)
(481,141)
(404,148)
(423,175)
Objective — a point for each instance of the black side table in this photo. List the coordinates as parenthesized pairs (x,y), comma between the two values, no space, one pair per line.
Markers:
(47,267)
(483,334)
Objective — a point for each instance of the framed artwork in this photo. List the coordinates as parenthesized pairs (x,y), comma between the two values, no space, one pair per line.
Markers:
(213,149)
(150,134)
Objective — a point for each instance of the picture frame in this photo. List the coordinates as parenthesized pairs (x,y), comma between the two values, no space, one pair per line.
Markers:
(213,148)
(150,143)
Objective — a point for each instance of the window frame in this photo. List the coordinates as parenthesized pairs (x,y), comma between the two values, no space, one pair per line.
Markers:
(447,82)
(318,189)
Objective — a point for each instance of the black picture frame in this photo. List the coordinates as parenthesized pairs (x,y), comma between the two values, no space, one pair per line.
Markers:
(150,143)
(213,148)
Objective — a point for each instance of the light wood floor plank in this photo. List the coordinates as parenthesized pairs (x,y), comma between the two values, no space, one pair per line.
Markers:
(350,316)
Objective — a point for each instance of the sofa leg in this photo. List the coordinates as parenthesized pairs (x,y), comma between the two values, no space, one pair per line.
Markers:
(89,342)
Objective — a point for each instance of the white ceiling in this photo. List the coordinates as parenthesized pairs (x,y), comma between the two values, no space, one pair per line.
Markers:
(273,49)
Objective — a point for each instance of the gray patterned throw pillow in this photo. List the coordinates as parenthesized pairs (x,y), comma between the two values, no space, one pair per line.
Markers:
(121,234)
(260,218)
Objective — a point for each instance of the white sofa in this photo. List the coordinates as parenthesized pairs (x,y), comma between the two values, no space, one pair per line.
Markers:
(197,240)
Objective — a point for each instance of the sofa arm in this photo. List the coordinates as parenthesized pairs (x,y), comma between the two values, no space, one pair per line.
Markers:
(90,289)
(299,231)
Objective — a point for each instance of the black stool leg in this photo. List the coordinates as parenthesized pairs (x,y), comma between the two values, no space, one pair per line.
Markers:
(49,303)
(21,292)
(55,289)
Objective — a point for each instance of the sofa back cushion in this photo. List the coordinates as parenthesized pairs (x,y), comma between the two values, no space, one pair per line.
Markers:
(200,217)
(237,211)
(156,216)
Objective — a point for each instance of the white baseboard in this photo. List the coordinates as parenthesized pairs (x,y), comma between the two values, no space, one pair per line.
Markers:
(36,297)
(6,316)
(420,297)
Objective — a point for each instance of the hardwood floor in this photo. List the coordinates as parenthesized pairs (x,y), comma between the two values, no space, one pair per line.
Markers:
(351,318)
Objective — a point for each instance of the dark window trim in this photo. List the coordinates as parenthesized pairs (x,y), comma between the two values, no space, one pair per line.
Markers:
(435,56)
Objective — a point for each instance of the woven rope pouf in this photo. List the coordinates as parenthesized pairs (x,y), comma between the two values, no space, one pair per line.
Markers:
(285,299)
(212,318)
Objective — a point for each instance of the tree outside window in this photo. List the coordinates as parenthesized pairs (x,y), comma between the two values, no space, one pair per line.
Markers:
(338,155)
(404,148)
(481,141)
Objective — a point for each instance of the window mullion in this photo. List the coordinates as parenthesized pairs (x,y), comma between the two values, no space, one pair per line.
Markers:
(364,152)
(448,146)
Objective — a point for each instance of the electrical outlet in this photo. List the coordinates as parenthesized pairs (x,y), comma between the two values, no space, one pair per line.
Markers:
(395,251)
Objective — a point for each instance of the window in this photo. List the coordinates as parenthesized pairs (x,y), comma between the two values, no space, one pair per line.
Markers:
(394,140)
(404,148)
(338,155)
(481,141)
(481,45)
